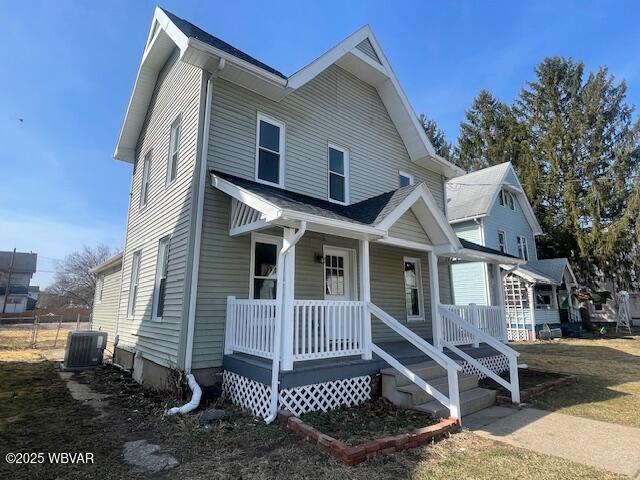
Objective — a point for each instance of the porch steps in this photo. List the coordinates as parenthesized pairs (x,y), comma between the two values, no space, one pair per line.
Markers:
(402,392)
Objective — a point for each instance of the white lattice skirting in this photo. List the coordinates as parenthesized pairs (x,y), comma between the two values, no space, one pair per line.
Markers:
(326,396)
(497,364)
(254,396)
(518,334)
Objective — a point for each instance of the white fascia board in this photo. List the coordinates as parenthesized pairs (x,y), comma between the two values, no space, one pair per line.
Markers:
(467,219)
(108,264)
(470,254)
(422,193)
(254,201)
(400,242)
(573,277)
(372,232)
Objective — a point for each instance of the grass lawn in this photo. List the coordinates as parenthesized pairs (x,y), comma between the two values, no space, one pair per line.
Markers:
(37,414)
(608,371)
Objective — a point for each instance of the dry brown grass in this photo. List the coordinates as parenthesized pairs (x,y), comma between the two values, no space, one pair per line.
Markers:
(608,371)
(38,414)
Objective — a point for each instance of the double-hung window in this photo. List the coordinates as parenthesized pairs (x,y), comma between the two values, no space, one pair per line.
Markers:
(270,151)
(146,174)
(338,175)
(413,289)
(502,241)
(264,259)
(523,250)
(160,286)
(174,151)
(133,285)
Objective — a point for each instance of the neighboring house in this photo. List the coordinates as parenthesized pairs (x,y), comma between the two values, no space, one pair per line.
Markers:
(16,271)
(33,294)
(490,207)
(286,235)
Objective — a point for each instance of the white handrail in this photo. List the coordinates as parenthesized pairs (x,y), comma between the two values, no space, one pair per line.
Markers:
(453,401)
(512,355)
(416,340)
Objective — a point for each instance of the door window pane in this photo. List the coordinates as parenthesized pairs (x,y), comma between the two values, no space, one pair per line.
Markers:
(412,286)
(334,275)
(265,258)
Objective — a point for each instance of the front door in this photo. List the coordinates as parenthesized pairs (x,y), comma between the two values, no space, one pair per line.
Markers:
(338,280)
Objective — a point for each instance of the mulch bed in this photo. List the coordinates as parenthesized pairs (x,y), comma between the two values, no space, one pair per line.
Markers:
(532,384)
(355,434)
(372,419)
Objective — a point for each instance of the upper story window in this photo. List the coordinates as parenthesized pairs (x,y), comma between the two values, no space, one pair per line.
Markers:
(405,179)
(270,151)
(338,175)
(413,289)
(133,285)
(160,285)
(146,174)
(174,151)
(506,199)
(502,241)
(523,250)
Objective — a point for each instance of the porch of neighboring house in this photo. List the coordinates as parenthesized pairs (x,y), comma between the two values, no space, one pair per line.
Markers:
(539,296)
(335,298)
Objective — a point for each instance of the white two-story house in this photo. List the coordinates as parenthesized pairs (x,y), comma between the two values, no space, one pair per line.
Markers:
(489,207)
(287,234)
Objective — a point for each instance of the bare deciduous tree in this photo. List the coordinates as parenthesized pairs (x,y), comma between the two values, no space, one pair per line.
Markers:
(74,280)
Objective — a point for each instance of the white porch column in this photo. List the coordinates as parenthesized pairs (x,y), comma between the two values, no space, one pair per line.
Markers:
(532,308)
(434,284)
(554,298)
(365,296)
(503,313)
(288,283)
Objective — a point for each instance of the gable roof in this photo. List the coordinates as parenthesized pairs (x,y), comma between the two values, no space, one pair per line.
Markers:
(473,195)
(374,215)
(360,54)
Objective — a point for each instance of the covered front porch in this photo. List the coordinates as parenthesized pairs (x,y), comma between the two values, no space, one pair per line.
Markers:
(337,293)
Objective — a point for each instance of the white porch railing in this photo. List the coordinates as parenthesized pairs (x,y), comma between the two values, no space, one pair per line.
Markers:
(323,329)
(250,327)
(466,330)
(488,319)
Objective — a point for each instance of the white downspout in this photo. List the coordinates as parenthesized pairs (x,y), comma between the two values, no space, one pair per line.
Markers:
(277,340)
(191,319)
(195,398)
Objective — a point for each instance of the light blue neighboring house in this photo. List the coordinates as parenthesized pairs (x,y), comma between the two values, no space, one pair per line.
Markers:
(489,207)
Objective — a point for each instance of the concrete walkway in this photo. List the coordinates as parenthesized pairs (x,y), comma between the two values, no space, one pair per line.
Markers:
(604,445)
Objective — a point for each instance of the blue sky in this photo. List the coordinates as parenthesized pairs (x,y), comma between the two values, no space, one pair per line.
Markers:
(69,67)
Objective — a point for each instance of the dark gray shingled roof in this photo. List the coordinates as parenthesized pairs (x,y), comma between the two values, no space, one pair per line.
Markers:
(480,248)
(24,262)
(190,30)
(367,212)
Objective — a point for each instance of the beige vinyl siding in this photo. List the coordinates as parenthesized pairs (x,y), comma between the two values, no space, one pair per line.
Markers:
(387,291)
(104,313)
(407,227)
(167,213)
(335,107)
(366,48)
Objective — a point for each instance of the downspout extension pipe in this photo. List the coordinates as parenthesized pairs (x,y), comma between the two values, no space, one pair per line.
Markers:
(195,398)
(277,341)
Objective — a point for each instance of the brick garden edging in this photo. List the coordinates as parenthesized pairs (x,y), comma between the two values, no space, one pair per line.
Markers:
(352,455)
(529,393)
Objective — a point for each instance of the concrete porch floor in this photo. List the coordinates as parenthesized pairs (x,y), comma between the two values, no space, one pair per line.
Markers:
(329,369)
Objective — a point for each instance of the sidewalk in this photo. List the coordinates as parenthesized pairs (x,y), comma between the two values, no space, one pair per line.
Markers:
(605,445)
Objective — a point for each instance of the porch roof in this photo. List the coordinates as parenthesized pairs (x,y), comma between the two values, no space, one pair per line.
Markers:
(473,251)
(549,271)
(373,216)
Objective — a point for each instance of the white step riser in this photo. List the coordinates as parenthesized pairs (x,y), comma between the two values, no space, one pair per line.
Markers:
(424,373)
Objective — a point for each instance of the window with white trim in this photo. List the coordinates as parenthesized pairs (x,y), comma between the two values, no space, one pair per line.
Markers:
(338,175)
(160,284)
(133,284)
(511,202)
(270,151)
(174,151)
(405,179)
(413,289)
(543,297)
(506,199)
(502,241)
(523,250)
(264,259)
(146,174)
